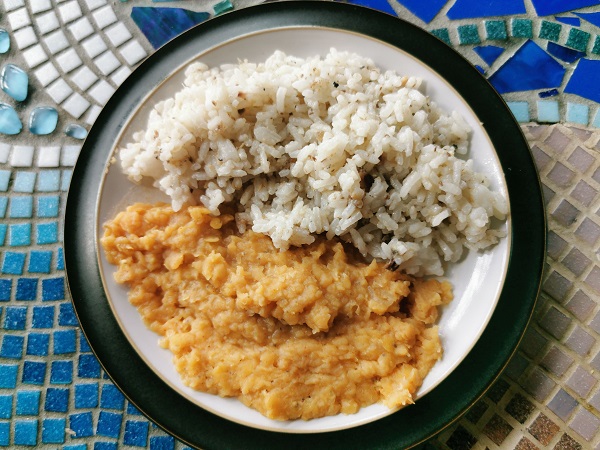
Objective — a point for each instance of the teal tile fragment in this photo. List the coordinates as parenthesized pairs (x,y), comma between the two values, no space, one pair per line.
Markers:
(442,34)
(468,35)
(548,111)
(578,113)
(578,39)
(596,46)
(522,28)
(222,7)
(550,31)
(520,110)
(495,30)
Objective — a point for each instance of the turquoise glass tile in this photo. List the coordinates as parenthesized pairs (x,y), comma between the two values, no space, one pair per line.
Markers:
(4,41)
(53,430)
(3,229)
(8,376)
(4,180)
(81,424)
(548,111)
(578,113)
(522,28)
(442,34)
(53,288)
(76,131)
(26,432)
(26,289)
(565,54)
(15,318)
(109,424)
(489,53)
(578,39)
(469,9)
(57,400)
(426,11)
(19,234)
(37,344)
(14,81)
(468,34)
(10,123)
(47,206)
(21,207)
(550,31)
(48,180)
(3,205)
(43,120)
(548,7)
(6,406)
(28,403)
(585,80)
(66,180)
(24,182)
(47,233)
(13,263)
(39,262)
(495,30)
(136,433)
(43,317)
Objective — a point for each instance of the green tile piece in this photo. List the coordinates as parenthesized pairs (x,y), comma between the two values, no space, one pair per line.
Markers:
(596,47)
(495,30)
(578,39)
(550,31)
(443,34)
(468,34)
(522,28)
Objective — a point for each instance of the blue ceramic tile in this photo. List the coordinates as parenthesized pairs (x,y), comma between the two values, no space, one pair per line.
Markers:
(13,263)
(585,80)
(111,397)
(132,410)
(88,367)
(4,434)
(43,120)
(105,445)
(47,233)
(8,376)
(495,30)
(442,34)
(109,424)
(5,290)
(550,30)
(591,17)
(162,443)
(34,372)
(47,206)
(61,372)
(425,11)
(57,400)
(28,403)
(39,262)
(6,406)
(26,289)
(84,347)
(489,53)
(43,317)
(468,9)
(15,318)
(578,113)
(578,39)
(136,433)
(573,21)
(3,205)
(76,446)
(24,182)
(4,41)
(4,180)
(26,432)
(3,231)
(20,234)
(530,68)
(12,346)
(53,289)
(468,34)
(65,180)
(10,123)
(53,431)
(81,424)
(14,81)
(563,53)
(37,344)
(48,180)
(64,342)
(548,111)
(86,395)
(380,5)
(21,207)
(60,259)
(480,69)
(549,7)
(66,315)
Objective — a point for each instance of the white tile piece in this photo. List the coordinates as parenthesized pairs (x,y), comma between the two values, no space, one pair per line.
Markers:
(94,46)
(35,55)
(93,4)
(4,151)
(101,92)
(21,156)
(69,155)
(68,60)
(104,16)
(120,75)
(25,37)
(133,52)
(84,78)
(118,33)
(107,63)
(47,22)
(76,105)
(70,11)
(48,157)
(59,90)
(92,114)
(56,41)
(9,5)
(46,74)
(81,29)
(38,6)
(19,19)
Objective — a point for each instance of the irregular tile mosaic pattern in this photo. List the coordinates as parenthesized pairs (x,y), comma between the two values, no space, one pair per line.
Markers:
(60,62)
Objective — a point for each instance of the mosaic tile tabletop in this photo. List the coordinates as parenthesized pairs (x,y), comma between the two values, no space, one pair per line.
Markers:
(61,60)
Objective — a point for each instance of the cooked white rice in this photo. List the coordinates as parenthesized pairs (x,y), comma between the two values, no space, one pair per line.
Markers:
(322,145)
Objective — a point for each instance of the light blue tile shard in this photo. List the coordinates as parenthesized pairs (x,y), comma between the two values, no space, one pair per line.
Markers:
(43,120)
(9,120)
(489,53)
(4,41)
(425,11)
(14,81)
(520,110)
(469,9)
(578,113)
(530,68)
(549,7)
(548,111)
(76,131)
(585,80)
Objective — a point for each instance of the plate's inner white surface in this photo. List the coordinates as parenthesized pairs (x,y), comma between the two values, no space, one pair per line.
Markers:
(477,279)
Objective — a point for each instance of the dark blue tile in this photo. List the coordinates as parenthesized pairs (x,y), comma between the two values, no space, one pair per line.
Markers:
(162,443)
(5,290)
(467,9)
(13,263)
(530,68)
(105,446)
(111,397)
(28,403)
(37,344)
(131,409)
(591,17)
(61,372)
(57,400)
(39,262)
(585,80)
(380,5)
(88,367)
(425,11)
(26,432)
(573,21)
(66,315)
(43,317)
(64,342)
(489,53)
(15,318)
(86,395)
(8,376)
(53,289)
(549,7)
(34,372)
(6,405)
(81,424)
(4,434)
(564,53)
(12,346)
(160,25)
(26,289)
(53,431)
(109,424)
(84,346)
(136,433)
(550,93)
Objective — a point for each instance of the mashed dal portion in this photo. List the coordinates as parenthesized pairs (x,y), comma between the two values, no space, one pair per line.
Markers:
(302,333)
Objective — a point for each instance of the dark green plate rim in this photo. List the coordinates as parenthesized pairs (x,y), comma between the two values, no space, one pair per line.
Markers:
(408,427)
